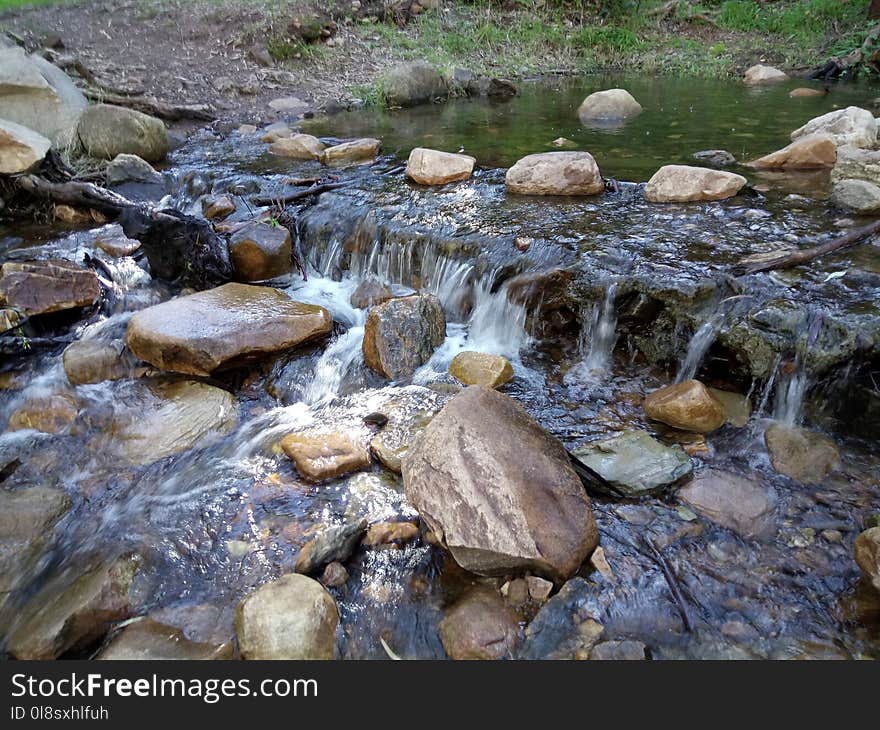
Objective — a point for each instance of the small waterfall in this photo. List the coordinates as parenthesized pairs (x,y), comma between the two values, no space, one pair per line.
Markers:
(497,325)
(790,395)
(333,365)
(596,342)
(698,347)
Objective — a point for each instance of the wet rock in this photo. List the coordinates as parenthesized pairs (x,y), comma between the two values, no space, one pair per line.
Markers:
(859,196)
(618,651)
(356,152)
(94,361)
(113,241)
(127,168)
(222,327)
(718,158)
(609,105)
(334,576)
(805,91)
(335,544)
(322,454)
(759,75)
(66,617)
(555,173)
(408,414)
(867,552)
(601,565)
(477,368)
(498,489)
(850,126)
(737,408)
(479,626)
(51,414)
(539,589)
(106,131)
(516,592)
(150,640)
(743,505)
(410,84)
(39,96)
(433,167)
(563,628)
(858,164)
(369,292)
(21,149)
(77,216)
(688,406)
(218,207)
(801,454)
(291,618)
(169,418)
(10,318)
(298,147)
(41,287)
(391,533)
(261,251)
(401,334)
(684,183)
(636,464)
(810,152)
(276,131)
(501,89)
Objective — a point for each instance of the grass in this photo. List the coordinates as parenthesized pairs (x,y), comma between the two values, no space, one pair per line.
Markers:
(11,4)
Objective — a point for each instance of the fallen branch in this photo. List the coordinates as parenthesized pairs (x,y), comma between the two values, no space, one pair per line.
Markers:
(672,582)
(809,254)
(281,200)
(153,107)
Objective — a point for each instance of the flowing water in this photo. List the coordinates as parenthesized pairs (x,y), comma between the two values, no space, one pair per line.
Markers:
(230,512)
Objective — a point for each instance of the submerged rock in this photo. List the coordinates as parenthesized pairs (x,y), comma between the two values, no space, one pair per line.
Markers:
(291,618)
(737,408)
(333,545)
(94,361)
(636,464)
(150,640)
(498,489)
(609,105)
(223,327)
(810,152)
(743,505)
(41,287)
(401,334)
(805,91)
(688,406)
(859,196)
(298,147)
(261,251)
(112,240)
(413,83)
(21,149)
(479,626)
(357,151)
(408,414)
(850,126)
(555,173)
(127,168)
(801,454)
(391,533)
(759,75)
(619,651)
(477,368)
(718,158)
(218,207)
(106,131)
(369,292)
(867,552)
(684,183)
(433,167)
(323,454)
(54,414)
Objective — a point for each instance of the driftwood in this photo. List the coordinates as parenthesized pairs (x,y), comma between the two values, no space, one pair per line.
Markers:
(672,582)
(153,107)
(809,254)
(286,198)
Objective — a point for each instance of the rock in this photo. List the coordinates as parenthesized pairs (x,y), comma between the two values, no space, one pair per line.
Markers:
(169,418)
(261,251)
(41,287)
(401,334)
(223,327)
(737,408)
(539,589)
(335,544)
(218,207)
(479,626)
(355,152)
(600,564)
(21,149)
(150,640)
(298,147)
(516,592)
(498,489)
(10,318)
(562,142)
(555,173)
(391,533)
(501,89)
(51,414)
(687,406)
(95,361)
(636,464)
(859,196)
(63,618)
(369,292)
(291,618)
(77,216)
(320,455)
(858,164)
(867,552)
(276,131)
(743,505)
(432,167)
(759,75)
(684,183)
(610,105)
(801,454)
(618,651)
(334,576)
(805,91)
(413,83)
(408,414)
(106,131)
(290,105)
(718,158)
(564,627)
(127,168)
(850,126)
(477,368)
(810,152)
(113,241)
(39,96)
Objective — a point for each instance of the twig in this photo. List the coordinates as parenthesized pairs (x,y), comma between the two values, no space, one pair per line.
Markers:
(298,195)
(672,582)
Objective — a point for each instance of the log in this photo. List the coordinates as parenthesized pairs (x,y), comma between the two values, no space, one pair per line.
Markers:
(153,107)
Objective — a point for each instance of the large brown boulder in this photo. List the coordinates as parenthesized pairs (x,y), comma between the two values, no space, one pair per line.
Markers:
(21,149)
(106,131)
(685,183)
(478,368)
(433,167)
(555,173)
(498,489)
(867,551)
(223,327)
(41,287)
(412,83)
(261,251)
(401,334)
(357,151)
(851,126)
(688,406)
(324,454)
(814,151)
(298,147)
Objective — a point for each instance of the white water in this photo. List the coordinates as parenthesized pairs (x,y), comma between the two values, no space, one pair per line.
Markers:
(698,347)
(596,342)
(789,400)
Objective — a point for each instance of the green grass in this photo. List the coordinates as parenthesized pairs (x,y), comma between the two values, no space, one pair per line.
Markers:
(10,4)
